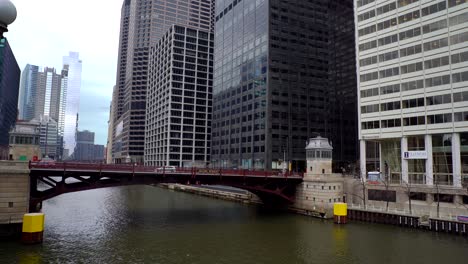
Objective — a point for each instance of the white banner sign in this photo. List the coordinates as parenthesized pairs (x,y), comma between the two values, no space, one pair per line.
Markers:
(415,155)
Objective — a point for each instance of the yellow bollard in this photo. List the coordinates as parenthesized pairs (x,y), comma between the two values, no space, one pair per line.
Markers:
(340,211)
(33,228)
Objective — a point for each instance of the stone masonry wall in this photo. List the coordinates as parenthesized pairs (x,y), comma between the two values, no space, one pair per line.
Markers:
(14,191)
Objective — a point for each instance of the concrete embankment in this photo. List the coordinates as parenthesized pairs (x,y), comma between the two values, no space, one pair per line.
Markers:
(215,192)
(14,196)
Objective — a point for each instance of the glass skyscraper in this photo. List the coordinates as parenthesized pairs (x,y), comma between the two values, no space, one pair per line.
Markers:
(28,92)
(73,65)
(284,72)
(9,89)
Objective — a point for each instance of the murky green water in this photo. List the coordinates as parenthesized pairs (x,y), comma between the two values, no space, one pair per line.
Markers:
(144,224)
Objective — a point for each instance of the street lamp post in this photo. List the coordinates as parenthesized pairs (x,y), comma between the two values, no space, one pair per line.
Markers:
(7,15)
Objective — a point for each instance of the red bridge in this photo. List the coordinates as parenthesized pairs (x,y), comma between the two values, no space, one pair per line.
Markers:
(66,177)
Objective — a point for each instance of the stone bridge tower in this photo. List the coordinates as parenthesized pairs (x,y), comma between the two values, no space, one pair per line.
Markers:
(321,187)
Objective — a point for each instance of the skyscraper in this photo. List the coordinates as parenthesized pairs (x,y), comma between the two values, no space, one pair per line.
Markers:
(48,89)
(179,99)
(28,92)
(143,23)
(413,89)
(72,66)
(284,72)
(9,89)
(85,149)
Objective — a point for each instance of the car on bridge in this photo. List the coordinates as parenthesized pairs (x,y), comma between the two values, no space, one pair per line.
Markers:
(166,169)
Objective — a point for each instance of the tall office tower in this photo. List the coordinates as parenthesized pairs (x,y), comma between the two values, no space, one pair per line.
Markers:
(85,149)
(179,101)
(48,89)
(40,93)
(73,65)
(9,89)
(413,89)
(284,72)
(143,23)
(28,92)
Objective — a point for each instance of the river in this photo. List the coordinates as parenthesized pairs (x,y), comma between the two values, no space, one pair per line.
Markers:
(144,224)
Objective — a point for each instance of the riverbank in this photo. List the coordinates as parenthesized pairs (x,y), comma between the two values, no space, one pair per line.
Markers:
(356,214)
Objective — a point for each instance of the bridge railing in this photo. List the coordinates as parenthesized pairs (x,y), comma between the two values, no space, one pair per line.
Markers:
(139,168)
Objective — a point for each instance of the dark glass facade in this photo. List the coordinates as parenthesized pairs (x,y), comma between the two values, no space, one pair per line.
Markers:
(284,72)
(9,89)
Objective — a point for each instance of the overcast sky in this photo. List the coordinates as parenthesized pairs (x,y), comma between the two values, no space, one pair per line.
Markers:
(46,30)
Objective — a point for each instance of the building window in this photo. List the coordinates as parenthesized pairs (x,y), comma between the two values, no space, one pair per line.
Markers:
(460,77)
(434,8)
(440,118)
(416,167)
(443,198)
(442,159)
(381,195)
(414,121)
(402,3)
(364,2)
(418,196)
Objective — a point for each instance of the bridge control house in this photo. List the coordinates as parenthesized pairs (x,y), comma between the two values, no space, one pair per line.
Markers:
(321,188)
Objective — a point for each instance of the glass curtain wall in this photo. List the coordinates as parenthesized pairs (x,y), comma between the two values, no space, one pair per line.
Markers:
(416,167)
(442,159)
(391,155)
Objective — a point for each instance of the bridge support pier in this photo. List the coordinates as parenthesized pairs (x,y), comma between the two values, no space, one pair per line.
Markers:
(14,196)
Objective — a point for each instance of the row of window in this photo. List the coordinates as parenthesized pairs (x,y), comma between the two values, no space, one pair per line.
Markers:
(407,17)
(416,120)
(414,32)
(408,51)
(417,84)
(401,3)
(413,67)
(416,102)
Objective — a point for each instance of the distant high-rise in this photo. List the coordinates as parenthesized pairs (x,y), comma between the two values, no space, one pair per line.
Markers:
(48,94)
(49,140)
(43,96)
(9,89)
(40,93)
(72,66)
(85,150)
(284,72)
(28,92)
(143,23)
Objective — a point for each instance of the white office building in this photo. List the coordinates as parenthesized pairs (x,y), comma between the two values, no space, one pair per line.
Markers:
(179,100)
(412,61)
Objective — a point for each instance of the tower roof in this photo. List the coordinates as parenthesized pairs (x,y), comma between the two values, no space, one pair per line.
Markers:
(318,143)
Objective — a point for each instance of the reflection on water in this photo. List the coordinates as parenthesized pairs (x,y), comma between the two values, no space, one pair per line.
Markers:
(143,224)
